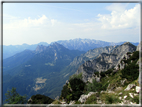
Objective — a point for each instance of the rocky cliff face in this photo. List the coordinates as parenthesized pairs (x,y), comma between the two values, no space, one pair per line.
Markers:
(123,49)
(121,64)
(139,47)
(104,61)
(91,54)
(126,55)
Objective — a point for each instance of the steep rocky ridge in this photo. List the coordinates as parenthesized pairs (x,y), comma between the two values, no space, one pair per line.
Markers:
(91,54)
(116,86)
(123,49)
(104,61)
(139,47)
(79,60)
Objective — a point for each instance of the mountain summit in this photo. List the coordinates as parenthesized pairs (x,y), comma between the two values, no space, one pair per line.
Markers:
(104,61)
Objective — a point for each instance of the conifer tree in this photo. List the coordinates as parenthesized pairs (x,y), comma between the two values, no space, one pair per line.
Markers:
(12,97)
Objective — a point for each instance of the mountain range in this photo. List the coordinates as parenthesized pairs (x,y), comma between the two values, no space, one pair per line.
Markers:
(11,50)
(73,44)
(37,69)
(46,69)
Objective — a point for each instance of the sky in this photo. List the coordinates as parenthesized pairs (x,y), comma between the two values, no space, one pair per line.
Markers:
(32,23)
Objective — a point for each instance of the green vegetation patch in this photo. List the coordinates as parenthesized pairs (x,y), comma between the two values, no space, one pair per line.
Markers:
(73,90)
(95,86)
(113,80)
(96,73)
(91,100)
(78,76)
(12,97)
(130,72)
(40,99)
(109,98)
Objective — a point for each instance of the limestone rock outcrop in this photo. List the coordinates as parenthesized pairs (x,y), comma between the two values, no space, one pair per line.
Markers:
(83,97)
(105,61)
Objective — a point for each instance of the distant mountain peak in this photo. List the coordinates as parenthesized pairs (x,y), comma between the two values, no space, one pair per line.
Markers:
(127,43)
(57,45)
(40,48)
(43,43)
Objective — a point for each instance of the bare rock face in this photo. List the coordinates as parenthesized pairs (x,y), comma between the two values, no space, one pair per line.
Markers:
(137,89)
(123,81)
(101,63)
(83,97)
(129,87)
(105,61)
(72,102)
(120,64)
(91,54)
(123,49)
(139,47)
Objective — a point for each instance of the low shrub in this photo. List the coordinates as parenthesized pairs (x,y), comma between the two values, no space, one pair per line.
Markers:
(95,86)
(91,100)
(77,86)
(136,99)
(65,91)
(130,72)
(40,99)
(96,73)
(110,99)
(78,76)
(73,90)
(77,102)
(102,74)
(109,71)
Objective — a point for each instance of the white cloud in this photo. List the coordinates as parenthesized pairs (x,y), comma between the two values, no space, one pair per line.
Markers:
(27,30)
(53,21)
(45,29)
(119,19)
(35,22)
(117,7)
(20,24)
(33,31)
